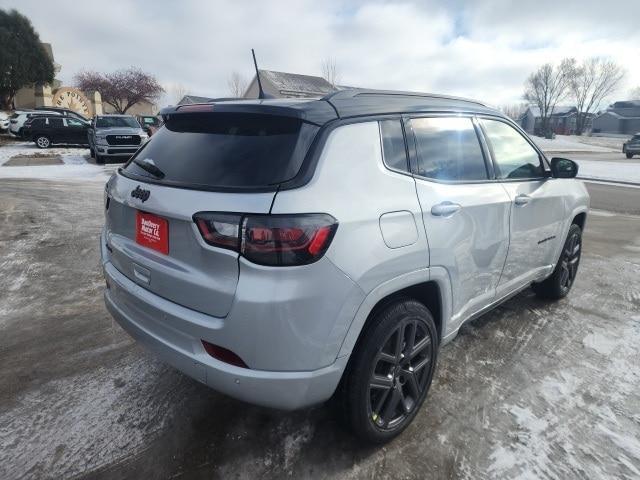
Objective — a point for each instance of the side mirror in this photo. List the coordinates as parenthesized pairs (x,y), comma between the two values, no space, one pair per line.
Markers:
(563,168)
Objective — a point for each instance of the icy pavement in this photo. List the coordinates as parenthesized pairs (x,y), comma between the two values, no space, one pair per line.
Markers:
(75,167)
(530,390)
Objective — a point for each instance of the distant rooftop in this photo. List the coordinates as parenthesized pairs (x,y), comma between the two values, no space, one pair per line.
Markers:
(191,99)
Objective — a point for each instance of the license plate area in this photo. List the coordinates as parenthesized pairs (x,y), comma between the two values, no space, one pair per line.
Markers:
(152,232)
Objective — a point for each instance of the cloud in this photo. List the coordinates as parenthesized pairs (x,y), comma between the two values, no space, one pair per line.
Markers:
(482,49)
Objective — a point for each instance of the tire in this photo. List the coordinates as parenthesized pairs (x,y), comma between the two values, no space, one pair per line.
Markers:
(629,155)
(384,386)
(99,159)
(42,141)
(559,284)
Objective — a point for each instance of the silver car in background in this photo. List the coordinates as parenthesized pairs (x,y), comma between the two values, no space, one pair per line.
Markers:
(115,136)
(286,251)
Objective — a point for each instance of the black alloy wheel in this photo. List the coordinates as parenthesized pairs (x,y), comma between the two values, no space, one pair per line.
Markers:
(391,370)
(399,374)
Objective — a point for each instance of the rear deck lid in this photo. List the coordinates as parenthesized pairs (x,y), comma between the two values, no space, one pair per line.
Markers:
(216,163)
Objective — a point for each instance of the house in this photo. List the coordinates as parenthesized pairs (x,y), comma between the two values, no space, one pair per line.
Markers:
(279,85)
(191,99)
(622,118)
(289,85)
(562,120)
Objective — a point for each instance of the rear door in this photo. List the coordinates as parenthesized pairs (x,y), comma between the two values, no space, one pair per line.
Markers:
(465,212)
(198,163)
(76,131)
(537,204)
(58,130)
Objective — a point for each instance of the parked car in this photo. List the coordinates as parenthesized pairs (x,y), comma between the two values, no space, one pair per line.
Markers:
(112,136)
(150,123)
(285,251)
(64,111)
(632,146)
(48,130)
(19,117)
(4,122)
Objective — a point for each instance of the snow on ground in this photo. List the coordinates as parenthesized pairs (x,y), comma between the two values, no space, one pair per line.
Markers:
(566,143)
(75,167)
(610,171)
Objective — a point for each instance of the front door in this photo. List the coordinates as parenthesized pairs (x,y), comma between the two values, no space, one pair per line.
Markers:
(466,216)
(537,205)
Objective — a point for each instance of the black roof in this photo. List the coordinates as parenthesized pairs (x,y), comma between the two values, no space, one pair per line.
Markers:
(341,104)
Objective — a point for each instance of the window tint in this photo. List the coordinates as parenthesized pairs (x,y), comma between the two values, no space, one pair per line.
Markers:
(448,149)
(107,122)
(394,153)
(228,150)
(514,156)
(38,122)
(55,122)
(72,122)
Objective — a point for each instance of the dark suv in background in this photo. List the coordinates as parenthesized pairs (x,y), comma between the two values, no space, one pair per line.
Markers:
(632,146)
(150,123)
(47,130)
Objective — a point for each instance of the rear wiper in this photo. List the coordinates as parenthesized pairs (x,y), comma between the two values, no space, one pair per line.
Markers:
(149,167)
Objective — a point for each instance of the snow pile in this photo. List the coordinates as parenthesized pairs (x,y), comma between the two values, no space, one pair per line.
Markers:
(75,165)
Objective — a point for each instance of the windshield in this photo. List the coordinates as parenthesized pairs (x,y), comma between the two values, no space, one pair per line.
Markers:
(224,150)
(108,122)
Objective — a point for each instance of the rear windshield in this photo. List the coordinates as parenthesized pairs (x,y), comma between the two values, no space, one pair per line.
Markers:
(224,150)
(107,122)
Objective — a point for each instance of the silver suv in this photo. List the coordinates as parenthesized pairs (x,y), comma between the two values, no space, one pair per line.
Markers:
(112,136)
(281,251)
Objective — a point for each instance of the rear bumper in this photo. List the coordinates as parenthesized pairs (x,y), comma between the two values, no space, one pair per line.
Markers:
(174,334)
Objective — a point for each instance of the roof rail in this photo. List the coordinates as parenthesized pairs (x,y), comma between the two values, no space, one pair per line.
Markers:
(355,92)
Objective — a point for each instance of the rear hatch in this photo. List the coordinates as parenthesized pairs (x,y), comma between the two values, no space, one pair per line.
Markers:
(198,162)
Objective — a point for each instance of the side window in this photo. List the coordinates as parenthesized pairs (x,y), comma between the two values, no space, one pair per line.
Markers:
(513,155)
(393,150)
(72,122)
(448,149)
(38,122)
(55,122)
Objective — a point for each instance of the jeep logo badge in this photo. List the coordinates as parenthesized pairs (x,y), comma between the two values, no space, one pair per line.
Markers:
(140,193)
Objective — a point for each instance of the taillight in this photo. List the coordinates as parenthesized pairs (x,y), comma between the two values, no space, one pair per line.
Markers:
(274,240)
(220,229)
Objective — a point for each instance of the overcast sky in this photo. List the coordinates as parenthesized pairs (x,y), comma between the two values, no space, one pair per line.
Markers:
(479,49)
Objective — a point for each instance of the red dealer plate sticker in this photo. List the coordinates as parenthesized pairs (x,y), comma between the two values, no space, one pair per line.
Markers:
(152,232)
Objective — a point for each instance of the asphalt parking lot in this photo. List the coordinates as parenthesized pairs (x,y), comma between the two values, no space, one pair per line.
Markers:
(531,390)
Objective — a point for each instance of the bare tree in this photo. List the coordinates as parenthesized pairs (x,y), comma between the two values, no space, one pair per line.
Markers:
(177,93)
(634,93)
(590,83)
(547,86)
(121,89)
(514,110)
(237,84)
(330,71)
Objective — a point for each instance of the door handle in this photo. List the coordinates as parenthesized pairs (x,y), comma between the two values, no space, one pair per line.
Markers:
(522,199)
(445,209)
